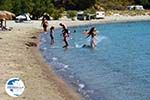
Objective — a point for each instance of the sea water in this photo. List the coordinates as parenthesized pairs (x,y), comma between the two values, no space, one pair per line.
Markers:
(117,69)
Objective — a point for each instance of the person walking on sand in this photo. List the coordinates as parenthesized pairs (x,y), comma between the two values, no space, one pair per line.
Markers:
(44,24)
(92,33)
(65,33)
(52,34)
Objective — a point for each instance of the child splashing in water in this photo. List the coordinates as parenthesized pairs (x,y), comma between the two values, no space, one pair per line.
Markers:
(92,33)
(52,34)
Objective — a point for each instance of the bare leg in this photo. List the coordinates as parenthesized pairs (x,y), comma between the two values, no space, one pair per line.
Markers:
(52,41)
(45,29)
(93,43)
(66,43)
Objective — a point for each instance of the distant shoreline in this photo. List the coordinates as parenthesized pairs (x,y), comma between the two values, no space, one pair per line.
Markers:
(107,19)
(69,22)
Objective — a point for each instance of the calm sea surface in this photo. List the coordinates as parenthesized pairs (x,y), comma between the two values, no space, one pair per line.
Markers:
(117,69)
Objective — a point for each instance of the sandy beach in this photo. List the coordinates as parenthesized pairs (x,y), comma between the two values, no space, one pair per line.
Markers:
(19,60)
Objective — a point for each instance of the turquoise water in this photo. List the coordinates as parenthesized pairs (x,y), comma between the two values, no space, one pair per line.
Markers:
(117,69)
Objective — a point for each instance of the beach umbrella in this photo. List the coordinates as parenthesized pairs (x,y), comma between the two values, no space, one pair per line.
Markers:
(6,15)
(2,15)
(9,15)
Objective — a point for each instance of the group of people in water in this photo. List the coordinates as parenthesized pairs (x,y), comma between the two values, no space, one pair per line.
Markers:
(65,33)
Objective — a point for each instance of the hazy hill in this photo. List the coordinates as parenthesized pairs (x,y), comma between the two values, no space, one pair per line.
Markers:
(55,7)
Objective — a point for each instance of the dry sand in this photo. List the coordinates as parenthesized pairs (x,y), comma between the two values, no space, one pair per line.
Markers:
(19,60)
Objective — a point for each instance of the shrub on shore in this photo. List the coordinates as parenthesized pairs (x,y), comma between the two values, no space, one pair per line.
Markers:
(57,13)
(128,12)
(71,14)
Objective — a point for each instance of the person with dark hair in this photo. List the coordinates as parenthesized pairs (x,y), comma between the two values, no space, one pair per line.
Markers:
(52,34)
(65,33)
(44,24)
(1,23)
(92,33)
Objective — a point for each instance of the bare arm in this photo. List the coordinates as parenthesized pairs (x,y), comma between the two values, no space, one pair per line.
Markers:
(88,35)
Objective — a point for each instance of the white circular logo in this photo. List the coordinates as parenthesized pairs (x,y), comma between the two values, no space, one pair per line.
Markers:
(14,87)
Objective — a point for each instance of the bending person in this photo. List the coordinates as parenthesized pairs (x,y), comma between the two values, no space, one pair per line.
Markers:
(65,34)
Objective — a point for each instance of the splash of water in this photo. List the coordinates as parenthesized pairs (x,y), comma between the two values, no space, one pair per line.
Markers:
(86,42)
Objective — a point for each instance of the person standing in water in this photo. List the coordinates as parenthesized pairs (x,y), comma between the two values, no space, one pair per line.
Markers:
(92,33)
(65,33)
(44,24)
(52,34)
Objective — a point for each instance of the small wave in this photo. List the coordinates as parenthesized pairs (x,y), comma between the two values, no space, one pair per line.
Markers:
(66,66)
(54,58)
(71,76)
(55,47)
(88,40)
(78,45)
(45,32)
(44,48)
(81,86)
(43,40)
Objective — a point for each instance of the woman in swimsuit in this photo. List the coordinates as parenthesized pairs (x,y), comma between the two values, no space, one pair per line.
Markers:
(44,24)
(65,33)
(92,33)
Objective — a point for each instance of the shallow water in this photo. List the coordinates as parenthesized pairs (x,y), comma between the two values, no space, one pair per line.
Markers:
(117,69)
